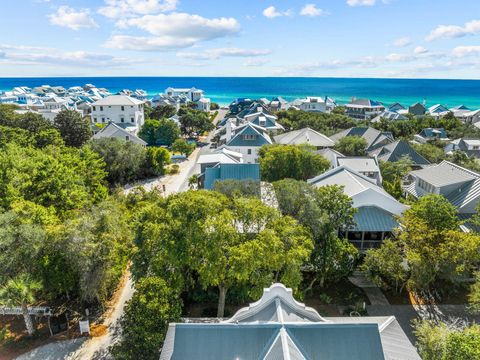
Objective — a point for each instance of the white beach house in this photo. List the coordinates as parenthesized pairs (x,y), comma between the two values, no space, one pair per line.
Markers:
(122,110)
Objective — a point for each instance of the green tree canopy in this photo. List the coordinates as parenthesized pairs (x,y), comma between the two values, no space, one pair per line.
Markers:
(431,245)
(387,263)
(98,245)
(74,129)
(224,241)
(195,122)
(352,146)
(124,160)
(159,132)
(183,147)
(443,342)
(279,162)
(324,211)
(61,178)
(145,321)
(162,112)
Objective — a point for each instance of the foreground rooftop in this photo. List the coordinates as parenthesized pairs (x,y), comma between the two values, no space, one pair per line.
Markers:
(279,327)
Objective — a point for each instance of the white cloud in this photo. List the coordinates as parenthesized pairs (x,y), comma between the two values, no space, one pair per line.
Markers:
(172,31)
(461,51)
(255,62)
(361,2)
(72,19)
(399,57)
(454,31)
(115,9)
(420,50)
(23,47)
(24,55)
(312,10)
(402,42)
(271,12)
(224,52)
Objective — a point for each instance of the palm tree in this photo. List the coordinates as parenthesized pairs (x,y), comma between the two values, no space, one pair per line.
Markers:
(193,181)
(20,291)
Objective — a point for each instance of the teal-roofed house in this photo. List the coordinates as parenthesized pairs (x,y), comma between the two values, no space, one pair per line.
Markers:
(224,171)
(431,134)
(246,139)
(279,327)
(377,210)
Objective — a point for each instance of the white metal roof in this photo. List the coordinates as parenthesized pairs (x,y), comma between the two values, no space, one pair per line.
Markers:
(117,100)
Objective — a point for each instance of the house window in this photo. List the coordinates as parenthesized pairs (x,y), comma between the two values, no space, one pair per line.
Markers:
(132,120)
(248,137)
(123,108)
(101,108)
(103,120)
(249,151)
(95,119)
(122,119)
(476,147)
(94,108)
(127,138)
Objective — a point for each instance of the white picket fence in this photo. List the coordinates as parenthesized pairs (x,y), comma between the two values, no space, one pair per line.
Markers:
(38,310)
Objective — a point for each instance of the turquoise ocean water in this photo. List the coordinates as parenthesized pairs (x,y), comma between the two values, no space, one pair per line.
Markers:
(224,89)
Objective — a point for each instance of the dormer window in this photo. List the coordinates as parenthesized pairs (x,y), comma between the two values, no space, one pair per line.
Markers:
(248,137)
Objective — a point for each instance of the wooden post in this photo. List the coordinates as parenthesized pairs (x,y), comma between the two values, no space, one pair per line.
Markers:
(49,327)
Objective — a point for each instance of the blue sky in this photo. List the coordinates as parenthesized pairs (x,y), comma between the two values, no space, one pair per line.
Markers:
(339,38)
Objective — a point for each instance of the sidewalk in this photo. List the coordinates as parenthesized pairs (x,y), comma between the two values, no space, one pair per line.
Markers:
(373,293)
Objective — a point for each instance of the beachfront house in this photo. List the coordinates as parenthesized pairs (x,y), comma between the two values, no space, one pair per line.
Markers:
(313,104)
(193,95)
(417,109)
(364,109)
(125,111)
(397,107)
(112,130)
(431,134)
(305,136)
(377,210)
(438,111)
(374,138)
(472,117)
(460,111)
(279,327)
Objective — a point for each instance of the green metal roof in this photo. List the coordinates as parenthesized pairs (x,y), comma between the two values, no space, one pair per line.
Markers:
(253,342)
(231,171)
(372,218)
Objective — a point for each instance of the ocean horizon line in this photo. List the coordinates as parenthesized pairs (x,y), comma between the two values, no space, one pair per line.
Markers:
(233,77)
(223,90)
